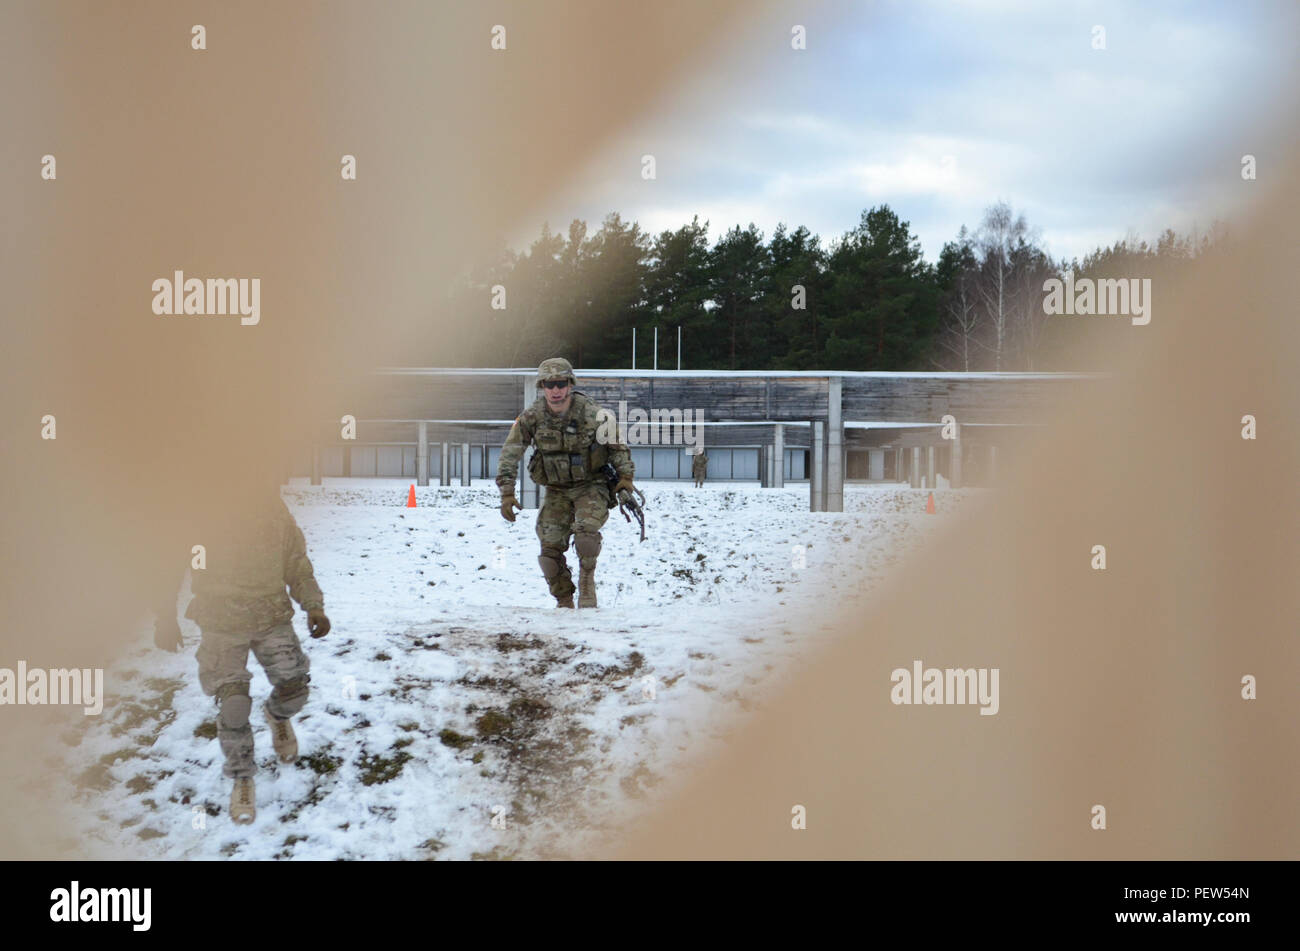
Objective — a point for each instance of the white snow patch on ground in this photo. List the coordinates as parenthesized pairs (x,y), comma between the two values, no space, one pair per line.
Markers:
(450,690)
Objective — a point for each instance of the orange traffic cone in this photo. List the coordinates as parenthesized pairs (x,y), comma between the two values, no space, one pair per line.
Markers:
(929,505)
(410,498)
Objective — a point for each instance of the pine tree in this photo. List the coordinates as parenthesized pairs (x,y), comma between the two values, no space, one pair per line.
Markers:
(883,297)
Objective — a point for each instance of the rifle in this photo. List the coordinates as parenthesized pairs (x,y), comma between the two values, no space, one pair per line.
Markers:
(627,501)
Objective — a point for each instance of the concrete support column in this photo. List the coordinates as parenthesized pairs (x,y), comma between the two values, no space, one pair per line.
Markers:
(422,454)
(444,476)
(765,467)
(528,494)
(464,464)
(954,477)
(778,450)
(899,465)
(929,466)
(914,471)
(835,450)
(993,464)
(817,457)
(315,464)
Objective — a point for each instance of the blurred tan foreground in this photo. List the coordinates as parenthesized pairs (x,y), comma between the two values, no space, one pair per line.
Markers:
(1120,688)
(225,163)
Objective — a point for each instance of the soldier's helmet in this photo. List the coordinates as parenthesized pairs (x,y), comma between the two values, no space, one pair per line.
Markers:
(555,368)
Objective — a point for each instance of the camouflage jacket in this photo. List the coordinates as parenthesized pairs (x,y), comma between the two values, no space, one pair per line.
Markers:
(248,564)
(571,448)
(700,465)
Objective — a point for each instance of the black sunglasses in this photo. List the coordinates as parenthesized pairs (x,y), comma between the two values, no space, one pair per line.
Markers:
(555,384)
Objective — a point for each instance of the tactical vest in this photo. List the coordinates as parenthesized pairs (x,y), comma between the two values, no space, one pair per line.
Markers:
(567,452)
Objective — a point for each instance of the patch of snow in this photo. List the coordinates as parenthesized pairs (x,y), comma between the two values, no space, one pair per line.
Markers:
(451,692)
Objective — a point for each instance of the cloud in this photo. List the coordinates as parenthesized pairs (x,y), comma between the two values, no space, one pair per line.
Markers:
(939,110)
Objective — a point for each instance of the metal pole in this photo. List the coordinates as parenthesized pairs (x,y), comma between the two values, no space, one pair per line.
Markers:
(527,487)
(778,450)
(422,454)
(954,476)
(464,464)
(633,348)
(656,363)
(679,346)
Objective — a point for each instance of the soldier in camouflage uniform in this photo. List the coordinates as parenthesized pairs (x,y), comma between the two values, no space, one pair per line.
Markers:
(252,552)
(699,467)
(574,439)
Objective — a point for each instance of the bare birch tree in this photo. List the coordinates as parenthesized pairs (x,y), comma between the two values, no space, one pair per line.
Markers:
(996,240)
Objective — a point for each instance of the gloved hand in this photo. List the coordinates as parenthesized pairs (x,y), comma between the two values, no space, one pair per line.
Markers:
(317,623)
(624,483)
(509,504)
(167,633)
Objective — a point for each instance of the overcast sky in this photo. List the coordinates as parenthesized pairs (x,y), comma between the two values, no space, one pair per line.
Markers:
(941,107)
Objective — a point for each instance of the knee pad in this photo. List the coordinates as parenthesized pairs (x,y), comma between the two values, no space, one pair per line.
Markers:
(552,562)
(235,709)
(587,543)
(292,689)
(233,688)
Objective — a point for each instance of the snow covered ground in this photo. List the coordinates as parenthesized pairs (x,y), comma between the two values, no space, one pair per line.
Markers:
(455,712)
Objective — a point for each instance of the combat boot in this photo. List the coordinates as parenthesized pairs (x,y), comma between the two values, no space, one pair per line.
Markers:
(565,602)
(588,545)
(243,802)
(282,736)
(587,587)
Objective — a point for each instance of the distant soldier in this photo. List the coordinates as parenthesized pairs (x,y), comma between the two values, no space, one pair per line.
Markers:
(575,438)
(699,467)
(253,549)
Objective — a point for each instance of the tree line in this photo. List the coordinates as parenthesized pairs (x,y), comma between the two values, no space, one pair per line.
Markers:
(867,301)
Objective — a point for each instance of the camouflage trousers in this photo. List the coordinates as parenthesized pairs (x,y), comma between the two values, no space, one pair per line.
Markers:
(578,512)
(223,674)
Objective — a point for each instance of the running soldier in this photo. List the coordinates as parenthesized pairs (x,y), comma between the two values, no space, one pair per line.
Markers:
(575,438)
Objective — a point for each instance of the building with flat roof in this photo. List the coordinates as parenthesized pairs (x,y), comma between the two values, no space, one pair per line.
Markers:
(766,426)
